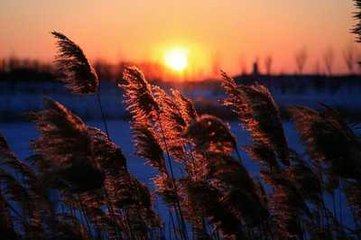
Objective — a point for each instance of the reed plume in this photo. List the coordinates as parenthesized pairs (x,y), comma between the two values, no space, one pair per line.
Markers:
(131,200)
(258,114)
(93,175)
(288,207)
(65,146)
(138,95)
(170,125)
(239,191)
(305,178)
(289,180)
(213,145)
(186,107)
(150,107)
(321,129)
(105,153)
(22,198)
(209,133)
(203,200)
(79,75)
(11,163)
(263,155)
(147,147)
(291,188)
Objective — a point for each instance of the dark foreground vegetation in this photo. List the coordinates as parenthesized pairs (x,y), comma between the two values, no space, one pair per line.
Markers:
(77,185)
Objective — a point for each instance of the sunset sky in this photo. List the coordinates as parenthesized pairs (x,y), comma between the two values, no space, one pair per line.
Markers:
(228,33)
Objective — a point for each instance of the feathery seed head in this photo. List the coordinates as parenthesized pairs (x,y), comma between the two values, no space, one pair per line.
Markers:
(138,95)
(209,133)
(79,76)
(258,114)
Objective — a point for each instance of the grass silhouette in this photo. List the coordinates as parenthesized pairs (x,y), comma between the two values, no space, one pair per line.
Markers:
(77,184)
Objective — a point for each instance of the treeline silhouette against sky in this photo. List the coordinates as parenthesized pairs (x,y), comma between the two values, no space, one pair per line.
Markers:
(231,34)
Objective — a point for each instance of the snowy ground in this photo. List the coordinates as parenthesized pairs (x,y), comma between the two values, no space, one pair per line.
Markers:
(23,98)
(20,97)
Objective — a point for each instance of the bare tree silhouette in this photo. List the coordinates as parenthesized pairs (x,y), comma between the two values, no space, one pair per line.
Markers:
(268,64)
(317,68)
(301,59)
(329,60)
(349,55)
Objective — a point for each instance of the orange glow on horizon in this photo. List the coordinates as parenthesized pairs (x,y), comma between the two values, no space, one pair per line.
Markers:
(230,35)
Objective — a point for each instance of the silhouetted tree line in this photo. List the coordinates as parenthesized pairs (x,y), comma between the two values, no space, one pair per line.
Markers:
(13,68)
(299,84)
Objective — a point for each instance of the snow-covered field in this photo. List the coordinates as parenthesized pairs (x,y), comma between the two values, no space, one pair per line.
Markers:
(17,99)
(20,97)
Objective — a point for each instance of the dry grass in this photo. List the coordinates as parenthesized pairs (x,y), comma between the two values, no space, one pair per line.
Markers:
(77,185)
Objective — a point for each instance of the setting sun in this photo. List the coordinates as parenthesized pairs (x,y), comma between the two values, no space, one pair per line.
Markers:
(176,59)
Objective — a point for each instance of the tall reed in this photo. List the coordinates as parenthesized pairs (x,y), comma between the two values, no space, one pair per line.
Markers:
(77,184)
